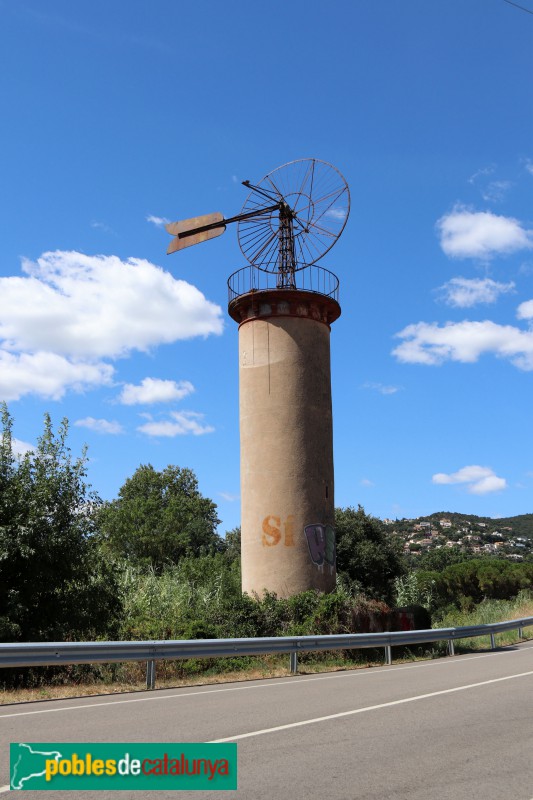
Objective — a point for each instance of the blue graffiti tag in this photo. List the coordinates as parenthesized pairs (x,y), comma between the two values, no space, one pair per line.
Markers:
(321,543)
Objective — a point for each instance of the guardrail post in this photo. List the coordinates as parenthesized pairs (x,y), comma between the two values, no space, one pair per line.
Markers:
(451,647)
(150,674)
(388,655)
(520,633)
(492,642)
(294,662)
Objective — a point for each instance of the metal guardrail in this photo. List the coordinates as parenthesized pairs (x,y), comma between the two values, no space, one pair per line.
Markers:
(34,654)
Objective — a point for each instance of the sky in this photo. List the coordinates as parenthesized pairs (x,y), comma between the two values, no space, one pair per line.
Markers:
(117,117)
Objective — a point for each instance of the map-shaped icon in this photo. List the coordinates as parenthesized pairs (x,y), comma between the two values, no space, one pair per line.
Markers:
(28,763)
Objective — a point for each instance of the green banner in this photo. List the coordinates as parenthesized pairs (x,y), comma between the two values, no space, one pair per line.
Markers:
(80,767)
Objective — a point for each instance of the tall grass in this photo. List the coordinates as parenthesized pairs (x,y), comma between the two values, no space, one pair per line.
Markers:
(184,597)
(487,612)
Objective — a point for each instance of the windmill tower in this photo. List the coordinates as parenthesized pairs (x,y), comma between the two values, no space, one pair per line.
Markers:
(284,304)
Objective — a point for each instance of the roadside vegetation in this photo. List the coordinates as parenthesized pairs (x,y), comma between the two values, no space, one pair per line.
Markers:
(151,565)
(486,612)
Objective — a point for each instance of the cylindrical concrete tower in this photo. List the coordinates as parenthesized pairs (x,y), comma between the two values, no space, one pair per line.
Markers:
(287,490)
(284,304)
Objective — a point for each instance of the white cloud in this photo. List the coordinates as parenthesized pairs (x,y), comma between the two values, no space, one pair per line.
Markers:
(429,343)
(231,498)
(526,268)
(94,306)
(492,483)
(154,390)
(180,424)
(468,292)
(20,448)
(492,191)
(366,482)
(525,310)
(478,480)
(337,213)
(69,311)
(381,388)
(101,226)
(48,375)
(495,191)
(481,234)
(529,166)
(159,222)
(100,425)
(483,172)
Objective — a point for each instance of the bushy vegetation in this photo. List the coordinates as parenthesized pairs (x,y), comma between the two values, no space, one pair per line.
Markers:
(201,599)
(54,582)
(368,560)
(151,565)
(489,611)
(466,584)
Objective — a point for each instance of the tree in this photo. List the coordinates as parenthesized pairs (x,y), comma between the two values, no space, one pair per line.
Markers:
(158,518)
(483,578)
(438,560)
(233,544)
(366,557)
(52,583)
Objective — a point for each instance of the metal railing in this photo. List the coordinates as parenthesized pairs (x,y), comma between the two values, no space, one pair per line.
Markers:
(34,654)
(310,279)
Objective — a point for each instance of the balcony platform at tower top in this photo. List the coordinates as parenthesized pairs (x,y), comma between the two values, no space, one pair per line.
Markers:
(313,293)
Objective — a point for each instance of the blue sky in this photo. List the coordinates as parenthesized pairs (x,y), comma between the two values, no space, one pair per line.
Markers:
(116,116)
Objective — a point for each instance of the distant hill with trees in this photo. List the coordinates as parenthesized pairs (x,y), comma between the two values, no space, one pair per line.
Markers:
(522,524)
(446,537)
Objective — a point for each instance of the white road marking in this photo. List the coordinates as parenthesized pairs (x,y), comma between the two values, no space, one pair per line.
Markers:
(274,684)
(367,708)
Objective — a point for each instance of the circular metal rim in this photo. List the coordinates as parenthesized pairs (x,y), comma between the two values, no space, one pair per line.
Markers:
(345,191)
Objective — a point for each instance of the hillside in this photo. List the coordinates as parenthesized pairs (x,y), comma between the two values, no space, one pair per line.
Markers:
(522,524)
(506,537)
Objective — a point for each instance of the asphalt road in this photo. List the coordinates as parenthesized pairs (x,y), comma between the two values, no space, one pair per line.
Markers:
(458,728)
